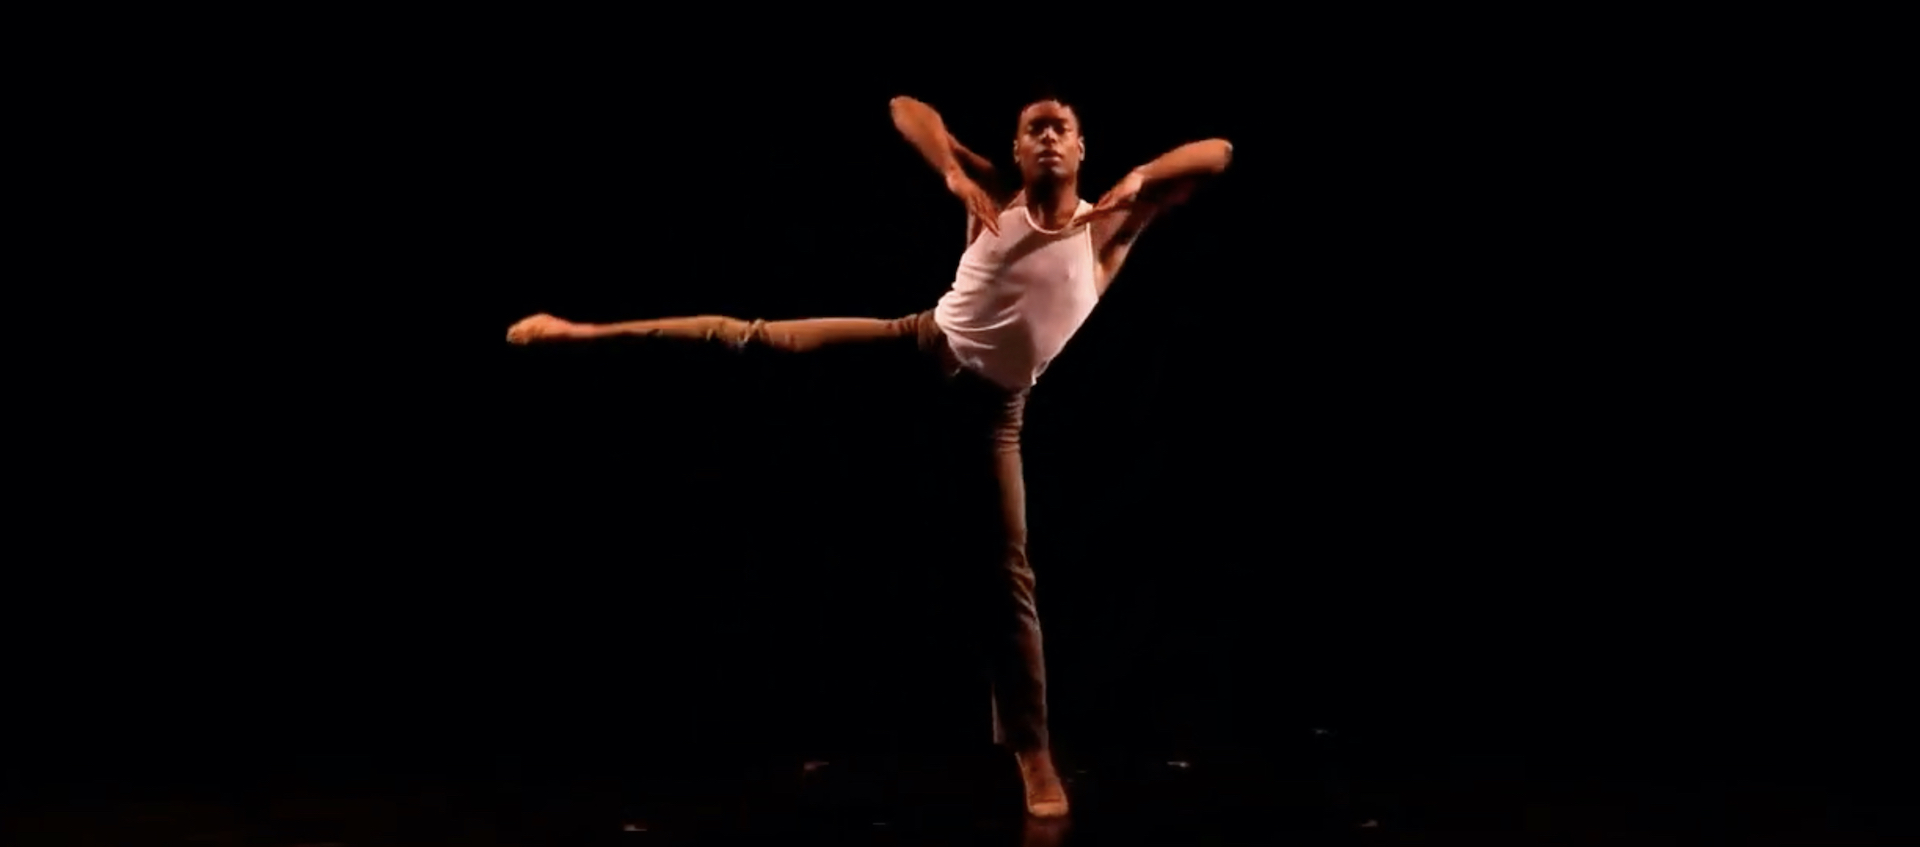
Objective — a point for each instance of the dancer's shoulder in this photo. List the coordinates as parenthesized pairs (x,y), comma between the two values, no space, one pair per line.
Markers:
(974,227)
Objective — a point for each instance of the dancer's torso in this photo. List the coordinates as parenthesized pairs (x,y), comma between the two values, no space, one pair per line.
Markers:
(1018,297)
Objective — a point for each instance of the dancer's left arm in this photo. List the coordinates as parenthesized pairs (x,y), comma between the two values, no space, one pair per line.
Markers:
(1124,212)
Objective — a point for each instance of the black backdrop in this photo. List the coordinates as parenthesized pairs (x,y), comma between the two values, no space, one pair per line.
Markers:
(1427,422)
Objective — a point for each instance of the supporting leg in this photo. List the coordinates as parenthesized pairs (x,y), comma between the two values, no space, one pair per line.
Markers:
(1014,647)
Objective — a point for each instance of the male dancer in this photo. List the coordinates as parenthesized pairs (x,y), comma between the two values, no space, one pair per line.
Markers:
(1035,265)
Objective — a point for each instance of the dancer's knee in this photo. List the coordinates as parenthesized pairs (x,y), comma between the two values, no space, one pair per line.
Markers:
(1015,568)
(736,334)
(752,334)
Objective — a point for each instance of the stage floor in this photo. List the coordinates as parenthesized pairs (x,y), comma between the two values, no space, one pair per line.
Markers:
(870,802)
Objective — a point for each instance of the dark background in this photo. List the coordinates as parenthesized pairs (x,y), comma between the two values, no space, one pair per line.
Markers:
(1444,419)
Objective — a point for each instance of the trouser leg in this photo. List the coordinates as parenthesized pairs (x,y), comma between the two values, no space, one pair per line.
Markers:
(1013,645)
(793,336)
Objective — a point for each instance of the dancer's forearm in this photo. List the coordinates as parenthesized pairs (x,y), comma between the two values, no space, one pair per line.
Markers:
(1200,158)
(924,129)
(978,165)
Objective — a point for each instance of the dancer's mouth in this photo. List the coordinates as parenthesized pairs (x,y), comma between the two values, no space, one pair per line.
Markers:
(1049,156)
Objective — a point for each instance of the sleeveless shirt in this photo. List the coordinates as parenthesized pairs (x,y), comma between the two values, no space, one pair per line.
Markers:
(1018,297)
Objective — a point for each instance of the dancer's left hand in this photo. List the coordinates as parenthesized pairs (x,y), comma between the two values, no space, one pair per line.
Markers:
(1121,198)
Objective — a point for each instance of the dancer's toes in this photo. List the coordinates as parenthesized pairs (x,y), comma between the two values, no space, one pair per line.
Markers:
(539,327)
(1046,795)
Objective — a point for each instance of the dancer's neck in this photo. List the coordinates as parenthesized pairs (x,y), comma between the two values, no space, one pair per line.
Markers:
(1053,204)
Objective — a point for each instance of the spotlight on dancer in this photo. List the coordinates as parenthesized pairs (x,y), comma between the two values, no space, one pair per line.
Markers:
(1036,263)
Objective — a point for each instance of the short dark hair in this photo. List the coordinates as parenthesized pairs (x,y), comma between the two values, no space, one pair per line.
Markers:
(1050,94)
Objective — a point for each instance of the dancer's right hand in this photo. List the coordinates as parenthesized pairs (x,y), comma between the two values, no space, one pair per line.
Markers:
(979,203)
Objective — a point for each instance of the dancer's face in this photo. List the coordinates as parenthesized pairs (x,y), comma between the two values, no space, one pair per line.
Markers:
(1048,146)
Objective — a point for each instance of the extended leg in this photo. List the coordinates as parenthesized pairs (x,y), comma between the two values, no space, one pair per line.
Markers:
(797,336)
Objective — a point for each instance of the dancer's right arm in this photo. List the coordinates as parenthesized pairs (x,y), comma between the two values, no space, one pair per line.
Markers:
(923,128)
(979,167)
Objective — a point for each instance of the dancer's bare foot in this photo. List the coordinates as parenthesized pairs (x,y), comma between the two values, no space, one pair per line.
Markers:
(545,327)
(1046,796)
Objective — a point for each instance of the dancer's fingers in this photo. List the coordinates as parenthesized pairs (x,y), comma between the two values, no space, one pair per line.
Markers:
(983,209)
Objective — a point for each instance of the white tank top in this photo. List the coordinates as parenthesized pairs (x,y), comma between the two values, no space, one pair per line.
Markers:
(1018,297)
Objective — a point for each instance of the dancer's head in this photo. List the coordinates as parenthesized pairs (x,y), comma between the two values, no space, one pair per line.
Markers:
(1048,145)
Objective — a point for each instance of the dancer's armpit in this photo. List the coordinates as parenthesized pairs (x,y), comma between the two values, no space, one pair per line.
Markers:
(1115,232)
